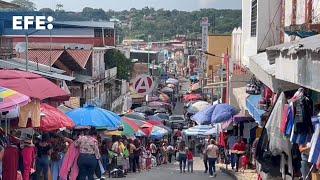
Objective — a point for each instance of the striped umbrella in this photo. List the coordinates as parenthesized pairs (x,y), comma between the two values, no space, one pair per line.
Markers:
(199,130)
(10,99)
(163,97)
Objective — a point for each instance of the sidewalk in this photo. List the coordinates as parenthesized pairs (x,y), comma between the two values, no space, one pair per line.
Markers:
(247,175)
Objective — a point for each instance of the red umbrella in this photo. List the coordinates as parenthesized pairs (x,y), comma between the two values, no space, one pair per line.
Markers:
(54,119)
(32,85)
(192,97)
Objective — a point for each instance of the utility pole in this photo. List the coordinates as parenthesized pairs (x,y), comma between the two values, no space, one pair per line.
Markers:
(149,36)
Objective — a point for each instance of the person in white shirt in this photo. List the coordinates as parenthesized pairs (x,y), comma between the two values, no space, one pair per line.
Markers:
(212,152)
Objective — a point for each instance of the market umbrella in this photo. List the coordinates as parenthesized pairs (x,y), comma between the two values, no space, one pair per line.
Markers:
(171,86)
(160,104)
(95,117)
(54,119)
(195,86)
(160,110)
(144,109)
(32,85)
(153,98)
(163,97)
(167,90)
(198,106)
(192,97)
(172,81)
(198,130)
(204,117)
(158,132)
(135,115)
(10,99)
(223,112)
(160,124)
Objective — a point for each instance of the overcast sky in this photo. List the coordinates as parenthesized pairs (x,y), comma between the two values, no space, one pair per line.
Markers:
(187,5)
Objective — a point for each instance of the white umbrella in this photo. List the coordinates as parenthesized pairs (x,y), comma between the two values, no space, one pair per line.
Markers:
(198,106)
(172,81)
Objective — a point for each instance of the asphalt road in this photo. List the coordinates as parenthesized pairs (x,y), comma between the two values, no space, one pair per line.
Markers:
(171,171)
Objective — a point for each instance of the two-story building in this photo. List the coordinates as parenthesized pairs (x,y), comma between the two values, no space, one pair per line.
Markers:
(76,47)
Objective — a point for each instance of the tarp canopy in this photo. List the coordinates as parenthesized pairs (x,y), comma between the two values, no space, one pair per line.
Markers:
(32,85)
(252,107)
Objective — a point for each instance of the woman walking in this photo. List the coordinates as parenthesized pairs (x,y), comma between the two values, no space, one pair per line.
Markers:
(182,156)
(212,153)
(89,154)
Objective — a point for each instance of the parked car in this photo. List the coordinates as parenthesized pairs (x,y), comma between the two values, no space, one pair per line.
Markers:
(177,121)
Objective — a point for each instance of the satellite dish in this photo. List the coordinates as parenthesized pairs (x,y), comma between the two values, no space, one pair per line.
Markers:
(21,47)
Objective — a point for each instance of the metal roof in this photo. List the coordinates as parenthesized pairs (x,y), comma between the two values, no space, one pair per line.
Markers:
(310,43)
(143,51)
(4,4)
(42,56)
(5,64)
(83,78)
(94,24)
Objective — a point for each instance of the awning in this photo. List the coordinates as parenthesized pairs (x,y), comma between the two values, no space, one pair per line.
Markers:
(252,103)
(265,72)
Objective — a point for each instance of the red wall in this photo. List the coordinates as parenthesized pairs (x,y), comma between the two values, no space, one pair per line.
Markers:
(97,42)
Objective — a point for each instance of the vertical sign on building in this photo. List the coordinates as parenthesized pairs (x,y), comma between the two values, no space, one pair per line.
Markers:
(205,26)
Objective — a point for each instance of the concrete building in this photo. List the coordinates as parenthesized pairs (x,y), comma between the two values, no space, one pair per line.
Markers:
(260,26)
(218,45)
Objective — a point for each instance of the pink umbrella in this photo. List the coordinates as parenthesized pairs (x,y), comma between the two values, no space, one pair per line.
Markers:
(10,99)
(160,104)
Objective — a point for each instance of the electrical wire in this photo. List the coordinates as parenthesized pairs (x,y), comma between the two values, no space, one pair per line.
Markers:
(265,37)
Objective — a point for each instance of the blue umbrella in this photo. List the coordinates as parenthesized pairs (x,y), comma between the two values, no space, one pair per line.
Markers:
(95,117)
(223,112)
(204,117)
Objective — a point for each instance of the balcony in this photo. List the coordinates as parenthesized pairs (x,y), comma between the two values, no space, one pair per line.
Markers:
(110,73)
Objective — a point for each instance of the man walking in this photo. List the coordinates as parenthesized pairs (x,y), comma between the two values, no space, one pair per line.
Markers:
(212,153)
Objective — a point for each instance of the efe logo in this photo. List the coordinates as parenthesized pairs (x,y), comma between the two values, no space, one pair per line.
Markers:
(23,22)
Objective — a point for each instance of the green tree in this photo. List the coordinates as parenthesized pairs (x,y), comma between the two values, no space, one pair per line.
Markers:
(25,5)
(114,58)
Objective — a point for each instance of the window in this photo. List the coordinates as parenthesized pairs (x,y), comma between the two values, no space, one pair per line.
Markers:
(254,10)
(97,32)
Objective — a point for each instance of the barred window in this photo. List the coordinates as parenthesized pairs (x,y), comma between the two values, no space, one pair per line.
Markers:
(254,10)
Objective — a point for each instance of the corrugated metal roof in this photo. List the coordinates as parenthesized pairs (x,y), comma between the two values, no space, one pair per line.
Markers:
(42,56)
(5,64)
(80,56)
(261,60)
(310,43)
(83,78)
(94,24)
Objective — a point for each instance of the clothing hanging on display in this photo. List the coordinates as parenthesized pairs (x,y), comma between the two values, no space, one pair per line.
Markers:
(315,145)
(70,165)
(29,155)
(32,110)
(10,162)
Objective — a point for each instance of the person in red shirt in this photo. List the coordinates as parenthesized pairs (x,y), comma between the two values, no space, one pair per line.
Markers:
(190,160)
(239,149)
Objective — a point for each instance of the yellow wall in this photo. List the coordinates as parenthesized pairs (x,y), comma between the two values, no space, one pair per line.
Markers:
(218,45)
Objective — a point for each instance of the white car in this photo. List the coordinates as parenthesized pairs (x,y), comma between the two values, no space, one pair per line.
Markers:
(176,121)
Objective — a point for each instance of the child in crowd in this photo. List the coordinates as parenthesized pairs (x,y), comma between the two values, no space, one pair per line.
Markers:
(148,160)
(190,160)
(244,160)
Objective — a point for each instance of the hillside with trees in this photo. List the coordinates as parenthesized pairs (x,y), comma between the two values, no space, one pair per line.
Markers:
(161,24)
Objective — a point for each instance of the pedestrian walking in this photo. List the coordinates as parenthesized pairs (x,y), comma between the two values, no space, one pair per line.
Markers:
(212,153)
(190,160)
(89,154)
(182,156)
(171,152)
(205,155)
(44,150)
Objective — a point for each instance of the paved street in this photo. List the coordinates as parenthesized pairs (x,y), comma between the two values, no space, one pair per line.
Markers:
(166,172)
